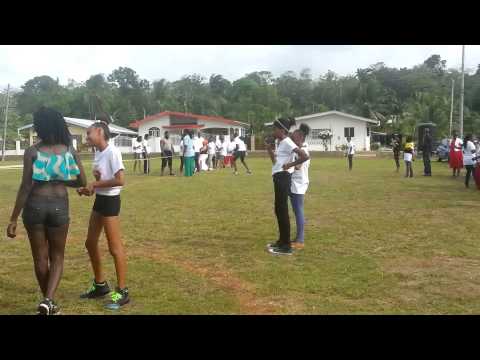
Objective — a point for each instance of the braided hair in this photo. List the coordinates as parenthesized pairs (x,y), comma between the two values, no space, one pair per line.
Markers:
(51,127)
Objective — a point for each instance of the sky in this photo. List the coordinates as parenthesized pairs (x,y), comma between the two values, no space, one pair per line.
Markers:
(19,63)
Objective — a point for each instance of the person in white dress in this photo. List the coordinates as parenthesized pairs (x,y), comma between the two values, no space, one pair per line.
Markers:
(469,151)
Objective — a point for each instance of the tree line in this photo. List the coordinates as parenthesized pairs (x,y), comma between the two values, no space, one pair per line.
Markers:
(398,98)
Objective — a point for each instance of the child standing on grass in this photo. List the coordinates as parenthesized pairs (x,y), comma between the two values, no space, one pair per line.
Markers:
(282,170)
(408,153)
(300,183)
(350,151)
(109,180)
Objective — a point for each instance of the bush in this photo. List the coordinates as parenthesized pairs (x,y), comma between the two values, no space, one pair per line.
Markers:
(375,146)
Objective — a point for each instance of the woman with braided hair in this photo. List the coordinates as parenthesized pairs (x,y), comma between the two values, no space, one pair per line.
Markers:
(49,167)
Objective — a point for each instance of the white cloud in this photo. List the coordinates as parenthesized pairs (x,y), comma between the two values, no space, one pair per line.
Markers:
(21,63)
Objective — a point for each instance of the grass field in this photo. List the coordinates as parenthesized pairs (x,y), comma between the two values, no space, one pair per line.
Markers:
(376,243)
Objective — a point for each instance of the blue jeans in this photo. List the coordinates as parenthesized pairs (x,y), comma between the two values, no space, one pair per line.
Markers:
(297,201)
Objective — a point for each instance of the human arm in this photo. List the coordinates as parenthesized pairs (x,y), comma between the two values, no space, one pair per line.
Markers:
(302,157)
(23,192)
(81,180)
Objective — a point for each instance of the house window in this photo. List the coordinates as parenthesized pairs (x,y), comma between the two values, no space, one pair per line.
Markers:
(154,132)
(349,132)
(368,131)
(122,141)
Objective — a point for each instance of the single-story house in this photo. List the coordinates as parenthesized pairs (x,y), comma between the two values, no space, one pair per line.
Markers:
(329,130)
(176,122)
(78,128)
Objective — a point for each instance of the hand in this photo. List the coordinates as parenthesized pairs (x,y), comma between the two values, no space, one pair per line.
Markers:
(97,174)
(285,167)
(12,229)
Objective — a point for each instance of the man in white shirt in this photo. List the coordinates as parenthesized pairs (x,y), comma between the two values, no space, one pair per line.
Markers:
(137,147)
(218,149)
(350,152)
(146,154)
(240,152)
(197,145)
(211,151)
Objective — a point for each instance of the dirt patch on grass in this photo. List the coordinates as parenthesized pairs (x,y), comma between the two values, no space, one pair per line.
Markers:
(244,291)
(445,276)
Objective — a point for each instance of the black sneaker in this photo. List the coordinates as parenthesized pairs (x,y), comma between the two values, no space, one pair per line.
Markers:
(55,308)
(45,307)
(280,251)
(273,245)
(96,291)
(118,298)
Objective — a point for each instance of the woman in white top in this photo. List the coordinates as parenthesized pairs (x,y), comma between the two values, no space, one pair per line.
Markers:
(455,154)
(137,153)
(468,155)
(211,150)
(109,180)
(282,170)
(300,183)
(350,151)
(231,146)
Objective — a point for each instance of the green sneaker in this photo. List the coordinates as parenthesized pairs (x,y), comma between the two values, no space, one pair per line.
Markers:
(96,291)
(118,298)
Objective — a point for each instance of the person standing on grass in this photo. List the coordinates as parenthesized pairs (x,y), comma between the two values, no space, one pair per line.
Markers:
(455,155)
(408,152)
(212,148)
(218,150)
(469,151)
(166,147)
(300,183)
(109,180)
(181,153)
(188,154)
(239,153)
(282,169)
(49,167)
(426,153)
(222,152)
(231,146)
(396,151)
(146,155)
(350,151)
(137,153)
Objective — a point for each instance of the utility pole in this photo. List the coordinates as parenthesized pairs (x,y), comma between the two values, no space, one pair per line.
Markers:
(5,125)
(462,90)
(451,109)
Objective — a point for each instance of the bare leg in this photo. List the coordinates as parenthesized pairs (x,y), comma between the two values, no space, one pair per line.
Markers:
(39,246)
(57,237)
(112,230)
(94,230)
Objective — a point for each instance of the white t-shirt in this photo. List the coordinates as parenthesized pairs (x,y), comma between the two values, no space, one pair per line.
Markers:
(458,143)
(218,145)
(108,162)
(350,148)
(211,148)
(300,178)
(284,155)
(240,143)
(146,146)
(467,154)
(223,151)
(137,146)
(181,147)
(197,143)
(231,147)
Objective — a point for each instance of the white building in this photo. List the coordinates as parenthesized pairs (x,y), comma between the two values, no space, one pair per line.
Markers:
(175,122)
(329,130)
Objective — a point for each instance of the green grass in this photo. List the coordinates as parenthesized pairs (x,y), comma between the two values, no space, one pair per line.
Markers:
(376,243)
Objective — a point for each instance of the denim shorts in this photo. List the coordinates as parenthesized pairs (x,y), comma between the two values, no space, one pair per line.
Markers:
(50,211)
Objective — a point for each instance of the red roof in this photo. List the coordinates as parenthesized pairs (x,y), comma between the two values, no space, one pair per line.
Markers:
(136,123)
(183,126)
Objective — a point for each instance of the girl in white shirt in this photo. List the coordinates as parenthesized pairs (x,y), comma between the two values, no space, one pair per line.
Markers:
(300,183)
(468,156)
(109,180)
(137,153)
(282,170)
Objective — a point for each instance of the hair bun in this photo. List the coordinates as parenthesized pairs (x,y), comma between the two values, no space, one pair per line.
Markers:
(305,129)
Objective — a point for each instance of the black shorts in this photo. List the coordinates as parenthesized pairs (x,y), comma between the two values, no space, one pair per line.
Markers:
(107,205)
(50,211)
(239,154)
